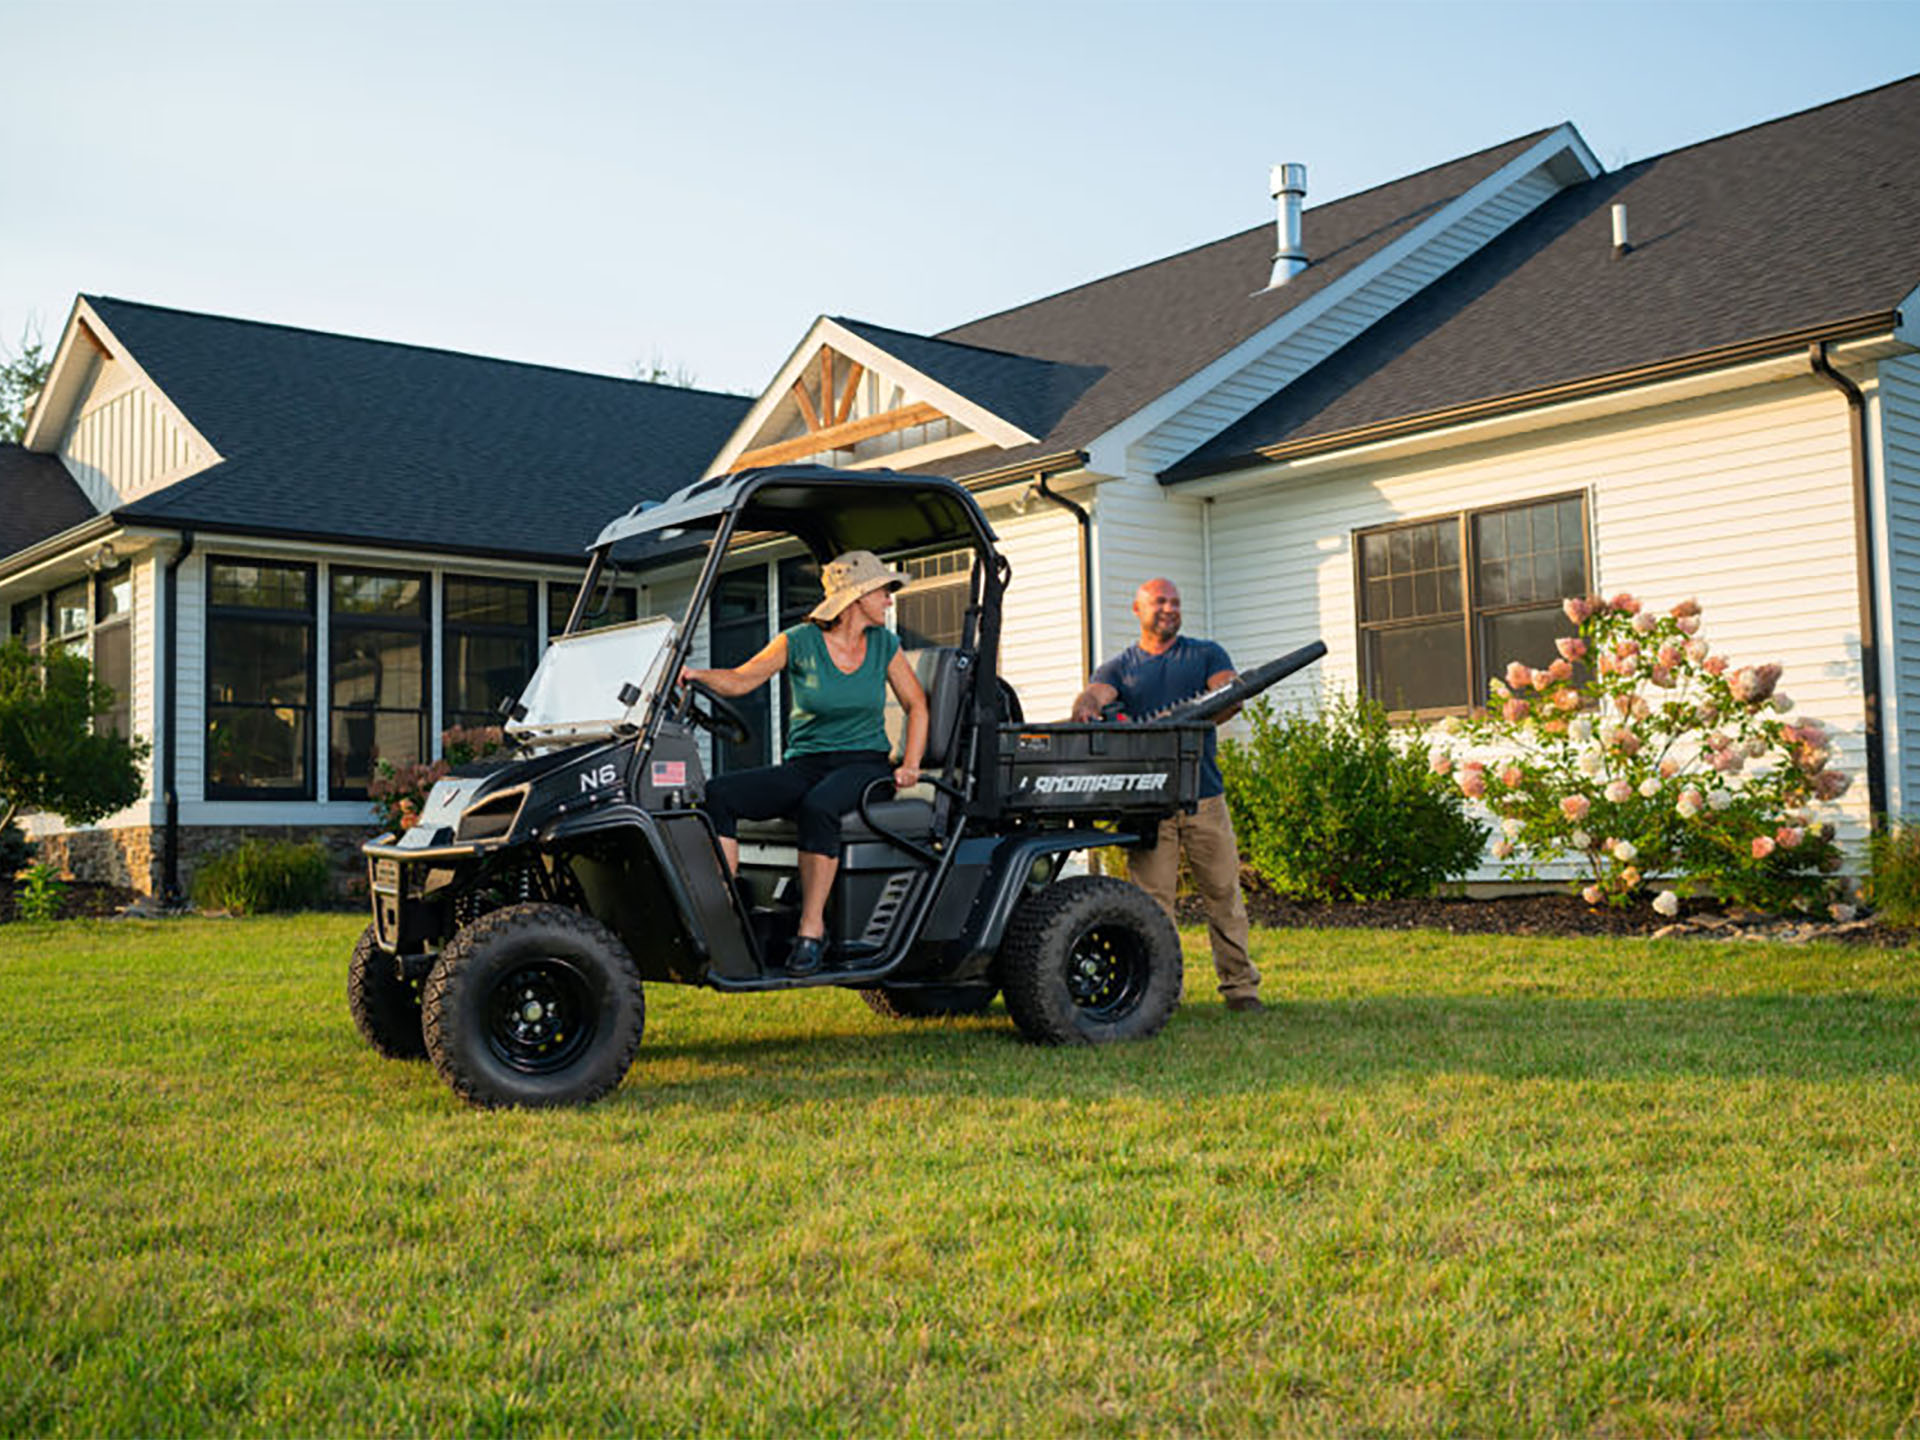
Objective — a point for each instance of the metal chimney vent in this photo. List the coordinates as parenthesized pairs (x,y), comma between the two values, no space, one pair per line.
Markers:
(1289,185)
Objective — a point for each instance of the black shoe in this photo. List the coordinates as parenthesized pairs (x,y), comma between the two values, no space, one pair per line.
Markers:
(809,953)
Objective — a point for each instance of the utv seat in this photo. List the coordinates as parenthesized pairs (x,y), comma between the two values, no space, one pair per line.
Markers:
(944,672)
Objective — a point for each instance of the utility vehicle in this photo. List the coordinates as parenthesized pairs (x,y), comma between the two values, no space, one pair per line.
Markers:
(515,923)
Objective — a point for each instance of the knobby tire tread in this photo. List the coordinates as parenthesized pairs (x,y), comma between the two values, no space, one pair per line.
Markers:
(385,1008)
(1032,969)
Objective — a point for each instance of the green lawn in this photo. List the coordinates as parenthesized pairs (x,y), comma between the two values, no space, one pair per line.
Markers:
(1471,1185)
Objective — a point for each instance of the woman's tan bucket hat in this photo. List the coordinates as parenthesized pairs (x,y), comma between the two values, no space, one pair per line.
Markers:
(847,577)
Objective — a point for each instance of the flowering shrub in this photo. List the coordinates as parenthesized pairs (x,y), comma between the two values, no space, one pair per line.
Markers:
(1338,806)
(1655,757)
(398,792)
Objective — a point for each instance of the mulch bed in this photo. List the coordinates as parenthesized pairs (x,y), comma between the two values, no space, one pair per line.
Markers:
(1545,914)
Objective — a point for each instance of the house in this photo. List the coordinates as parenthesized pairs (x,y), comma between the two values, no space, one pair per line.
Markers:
(290,553)
(1411,420)
(1408,421)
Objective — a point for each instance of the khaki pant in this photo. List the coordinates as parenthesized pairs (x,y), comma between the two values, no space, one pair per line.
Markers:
(1213,855)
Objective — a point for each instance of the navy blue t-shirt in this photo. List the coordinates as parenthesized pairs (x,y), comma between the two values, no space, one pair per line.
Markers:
(1152,682)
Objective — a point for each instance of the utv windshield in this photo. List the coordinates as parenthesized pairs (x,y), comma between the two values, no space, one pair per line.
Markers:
(575,692)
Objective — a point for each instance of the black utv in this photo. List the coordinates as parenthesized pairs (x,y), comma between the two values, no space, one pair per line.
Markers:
(515,922)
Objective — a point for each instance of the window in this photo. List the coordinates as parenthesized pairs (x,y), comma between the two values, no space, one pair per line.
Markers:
(620,606)
(30,622)
(1446,603)
(259,680)
(738,631)
(113,647)
(932,608)
(72,617)
(489,647)
(377,642)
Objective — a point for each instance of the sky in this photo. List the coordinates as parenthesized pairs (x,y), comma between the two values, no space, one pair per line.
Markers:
(603,186)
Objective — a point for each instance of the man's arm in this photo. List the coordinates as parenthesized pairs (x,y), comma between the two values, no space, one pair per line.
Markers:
(1095,698)
(1214,682)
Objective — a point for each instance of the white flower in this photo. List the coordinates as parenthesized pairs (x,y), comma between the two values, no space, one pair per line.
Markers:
(1689,803)
(1591,762)
(1666,903)
(1580,840)
(1650,787)
(1644,622)
(1580,729)
(1450,725)
(1502,849)
(1719,799)
(1511,827)
(1624,850)
(1608,729)
(1619,792)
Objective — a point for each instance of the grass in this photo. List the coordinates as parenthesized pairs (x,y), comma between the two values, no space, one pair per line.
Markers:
(1470,1185)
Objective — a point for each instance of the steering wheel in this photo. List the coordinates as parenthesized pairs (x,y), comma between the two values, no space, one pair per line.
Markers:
(720,716)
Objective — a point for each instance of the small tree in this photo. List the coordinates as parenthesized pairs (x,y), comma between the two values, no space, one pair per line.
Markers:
(22,375)
(51,759)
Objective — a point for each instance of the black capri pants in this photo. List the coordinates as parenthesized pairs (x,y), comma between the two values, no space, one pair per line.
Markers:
(813,790)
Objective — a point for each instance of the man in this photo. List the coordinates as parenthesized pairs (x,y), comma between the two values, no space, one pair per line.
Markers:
(1163,668)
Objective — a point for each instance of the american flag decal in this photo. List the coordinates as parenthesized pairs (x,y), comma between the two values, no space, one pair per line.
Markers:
(668,773)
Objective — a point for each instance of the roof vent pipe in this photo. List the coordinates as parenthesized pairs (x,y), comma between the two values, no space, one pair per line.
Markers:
(1620,244)
(1289,184)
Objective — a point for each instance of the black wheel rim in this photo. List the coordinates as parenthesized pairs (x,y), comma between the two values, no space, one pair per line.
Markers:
(541,1016)
(1107,971)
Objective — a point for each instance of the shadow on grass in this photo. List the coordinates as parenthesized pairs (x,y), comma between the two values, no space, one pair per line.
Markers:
(1348,1043)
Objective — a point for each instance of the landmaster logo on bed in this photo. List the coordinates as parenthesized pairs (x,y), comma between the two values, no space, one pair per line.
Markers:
(1091,784)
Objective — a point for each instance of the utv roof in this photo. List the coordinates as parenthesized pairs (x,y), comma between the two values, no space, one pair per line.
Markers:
(831,511)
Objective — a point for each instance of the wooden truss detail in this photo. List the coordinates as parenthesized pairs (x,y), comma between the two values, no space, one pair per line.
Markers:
(839,436)
(836,401)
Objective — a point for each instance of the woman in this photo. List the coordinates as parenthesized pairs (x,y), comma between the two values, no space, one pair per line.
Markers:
(838,664)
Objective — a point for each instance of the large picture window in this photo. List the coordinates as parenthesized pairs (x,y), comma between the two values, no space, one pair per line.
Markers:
(377,642)
(260,624)
(489,647)
(1445,603)
(113,647)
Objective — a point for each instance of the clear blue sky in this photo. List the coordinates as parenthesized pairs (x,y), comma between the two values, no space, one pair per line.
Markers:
(597,184)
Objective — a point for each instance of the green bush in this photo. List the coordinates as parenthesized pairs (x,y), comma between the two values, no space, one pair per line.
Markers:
(16,851)
(259,877)
(1894,887)
(1336,806)
(41,894)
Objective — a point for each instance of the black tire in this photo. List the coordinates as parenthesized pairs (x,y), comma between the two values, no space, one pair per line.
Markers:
(928,1002)
(1090,960)
(386,1008)
(533,1005)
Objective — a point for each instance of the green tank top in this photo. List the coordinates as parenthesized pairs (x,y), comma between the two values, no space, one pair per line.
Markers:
(828,709)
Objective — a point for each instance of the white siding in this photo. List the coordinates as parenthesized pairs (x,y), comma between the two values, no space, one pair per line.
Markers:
(1299,350)
(1040,650)
(1899,456)
(1743,501)
(190,692)
(123,441)
(1143,531)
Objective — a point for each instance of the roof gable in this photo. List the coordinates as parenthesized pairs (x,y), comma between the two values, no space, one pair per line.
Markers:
(351,439)
(853,394)
(1809,221)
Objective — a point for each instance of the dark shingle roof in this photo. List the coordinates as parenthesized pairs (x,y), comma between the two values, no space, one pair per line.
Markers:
(331,436)
(1149,328)
(1030,393)
(38,499)
(1798,223)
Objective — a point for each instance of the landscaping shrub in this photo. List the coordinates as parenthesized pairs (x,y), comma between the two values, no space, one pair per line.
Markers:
(259,877)
(399,792)
(1894,886)
(1654,758)
(1337,806)
(15,850)
(41,894)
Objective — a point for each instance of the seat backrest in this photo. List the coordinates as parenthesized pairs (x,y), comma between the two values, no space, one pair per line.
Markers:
(944,672)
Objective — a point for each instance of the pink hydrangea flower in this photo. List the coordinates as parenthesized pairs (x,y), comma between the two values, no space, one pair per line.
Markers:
(1691,802)
(1440,763)
(1511,777)
(1625,647)
(1515,711)
(1472,781)
(1626,742)
(1502,849)
(1626,604)
(1619,792)
(1575,807)
(1592,895)
(1576,609)
(1831,784)
(1644,623)
(1686,607)
(1571,647)
(1567,699)
(1630,877)
(1715,664)
(1752,684)
(1688,624)
(1519,675)
(1698,650)
(1667,655)
(1669,768)
(1762,846)
(1789,837)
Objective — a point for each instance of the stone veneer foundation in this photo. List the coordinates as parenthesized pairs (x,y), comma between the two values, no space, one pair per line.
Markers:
(133,856)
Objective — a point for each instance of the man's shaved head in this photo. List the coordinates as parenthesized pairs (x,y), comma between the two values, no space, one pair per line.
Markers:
(1157,603)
